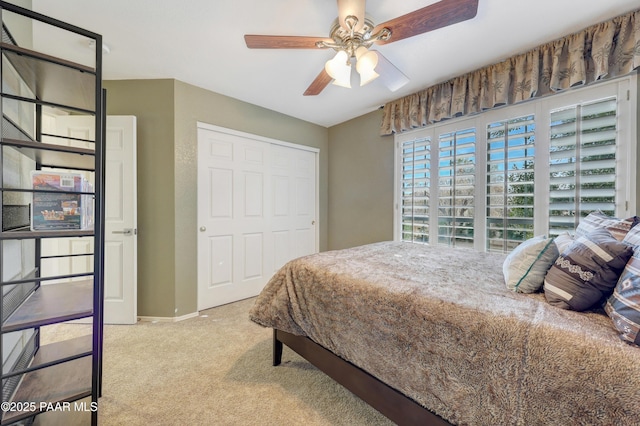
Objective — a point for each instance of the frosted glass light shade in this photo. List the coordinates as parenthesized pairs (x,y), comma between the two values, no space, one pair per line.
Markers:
(366,65)
(339,68)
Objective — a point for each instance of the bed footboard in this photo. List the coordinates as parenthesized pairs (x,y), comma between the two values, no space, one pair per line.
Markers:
(388,401)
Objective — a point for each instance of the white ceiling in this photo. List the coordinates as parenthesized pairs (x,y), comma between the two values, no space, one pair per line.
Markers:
(200,42)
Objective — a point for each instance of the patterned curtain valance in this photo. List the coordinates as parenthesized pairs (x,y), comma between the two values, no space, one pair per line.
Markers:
(609,49)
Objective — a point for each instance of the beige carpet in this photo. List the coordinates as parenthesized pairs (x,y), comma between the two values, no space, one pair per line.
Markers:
(213,370)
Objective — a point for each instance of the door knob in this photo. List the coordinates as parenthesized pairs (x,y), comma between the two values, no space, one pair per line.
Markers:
(127,231)
(203,228)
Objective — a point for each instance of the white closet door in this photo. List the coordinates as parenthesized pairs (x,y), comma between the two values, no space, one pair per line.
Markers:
(256,210)
(294,204)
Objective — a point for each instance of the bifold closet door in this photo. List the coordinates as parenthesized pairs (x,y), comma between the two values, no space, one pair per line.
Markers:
(251,194)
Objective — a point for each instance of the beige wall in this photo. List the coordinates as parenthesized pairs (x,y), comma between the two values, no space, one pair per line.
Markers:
(20,27)
(151,101)
(360,183)
(168,112)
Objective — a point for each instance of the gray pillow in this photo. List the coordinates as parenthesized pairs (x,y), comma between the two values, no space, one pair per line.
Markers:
(596,220)
(525,267)
(586,272)
(623,307)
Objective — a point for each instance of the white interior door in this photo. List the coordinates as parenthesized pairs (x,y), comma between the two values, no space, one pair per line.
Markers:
(256,210)
(120,299)
(121,222)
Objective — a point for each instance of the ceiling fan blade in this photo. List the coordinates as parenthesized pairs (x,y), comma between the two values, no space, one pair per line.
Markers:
(351,7)
(390,75)
(318,85)
(429,18)
(282,42)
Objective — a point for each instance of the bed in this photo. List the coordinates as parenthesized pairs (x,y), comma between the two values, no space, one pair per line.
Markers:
(431,335)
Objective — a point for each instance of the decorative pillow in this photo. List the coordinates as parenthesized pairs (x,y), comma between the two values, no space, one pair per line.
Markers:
(596,220)
(633,237)
(525,267)
(563,241)
(587,271)
(623,307)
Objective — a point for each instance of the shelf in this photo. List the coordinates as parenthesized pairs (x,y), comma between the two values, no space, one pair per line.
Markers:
(66,382)
(64,349)
(27,234)
(55,352)
(53,303)
(59,278)
(68,371)
(54,81)
(50,155)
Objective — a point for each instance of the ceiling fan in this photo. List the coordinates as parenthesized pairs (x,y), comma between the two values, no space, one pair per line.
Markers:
(353,34)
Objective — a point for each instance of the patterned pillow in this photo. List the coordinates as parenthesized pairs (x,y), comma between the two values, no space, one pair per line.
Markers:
(597,220)
(633,237)
(623,307)
(525,267)
(587,271)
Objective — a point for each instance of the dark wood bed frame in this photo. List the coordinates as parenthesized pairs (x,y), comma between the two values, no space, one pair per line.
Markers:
(396,406)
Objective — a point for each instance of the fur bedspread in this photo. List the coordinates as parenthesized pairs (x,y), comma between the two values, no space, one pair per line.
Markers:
(440,326)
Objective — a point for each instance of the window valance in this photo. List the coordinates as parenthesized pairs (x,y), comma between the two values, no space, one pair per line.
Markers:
(606,50)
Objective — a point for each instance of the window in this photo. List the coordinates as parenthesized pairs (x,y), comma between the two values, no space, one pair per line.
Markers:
(456,183)
(510,182)
(416,178)
(498,178)
(582,163)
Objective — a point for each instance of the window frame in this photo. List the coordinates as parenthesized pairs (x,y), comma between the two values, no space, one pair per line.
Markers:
(626,91)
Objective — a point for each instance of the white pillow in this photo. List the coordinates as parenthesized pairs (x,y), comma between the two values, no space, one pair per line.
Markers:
(525,267)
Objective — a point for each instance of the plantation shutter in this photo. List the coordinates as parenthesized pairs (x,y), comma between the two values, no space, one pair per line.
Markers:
(456,184)
(510,182)
(582,163)
(416,176)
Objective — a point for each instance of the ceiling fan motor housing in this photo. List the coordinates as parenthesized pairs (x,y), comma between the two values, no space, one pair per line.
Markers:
(349,40)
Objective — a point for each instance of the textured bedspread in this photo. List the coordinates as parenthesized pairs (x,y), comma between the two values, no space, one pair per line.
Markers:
(440,326)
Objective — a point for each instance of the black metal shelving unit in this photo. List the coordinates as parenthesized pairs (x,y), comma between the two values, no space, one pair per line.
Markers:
(38,380)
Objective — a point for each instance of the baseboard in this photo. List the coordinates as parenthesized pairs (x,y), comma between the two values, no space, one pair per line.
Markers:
(168,319)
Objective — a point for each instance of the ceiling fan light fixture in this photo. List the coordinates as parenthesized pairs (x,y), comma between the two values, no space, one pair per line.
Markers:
(366,62)
(339,69)
(353,29)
